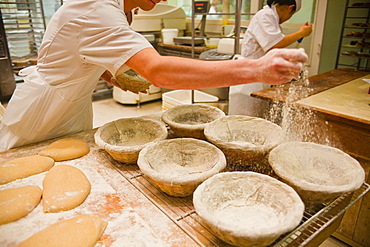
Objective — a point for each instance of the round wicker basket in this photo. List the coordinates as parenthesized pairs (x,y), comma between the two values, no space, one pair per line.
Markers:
(247,208)
(178,166)
(190,120)
(244,140)
(124,138)
(319,173)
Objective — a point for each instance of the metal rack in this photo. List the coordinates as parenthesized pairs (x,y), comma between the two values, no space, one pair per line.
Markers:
(354,45)
(24,24)
(317,224)
(237,14)
(7,81)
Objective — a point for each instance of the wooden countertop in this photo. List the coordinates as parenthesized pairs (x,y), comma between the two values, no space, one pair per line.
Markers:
(318,83)
(133,220)
(350,100)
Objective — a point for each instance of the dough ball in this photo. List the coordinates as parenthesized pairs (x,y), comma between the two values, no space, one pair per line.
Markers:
(82,230)
(24,167)
(65,187)
(18,202)
(66,149)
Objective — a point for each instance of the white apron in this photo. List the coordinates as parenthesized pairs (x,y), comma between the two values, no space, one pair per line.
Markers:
(83,39)
(38,111)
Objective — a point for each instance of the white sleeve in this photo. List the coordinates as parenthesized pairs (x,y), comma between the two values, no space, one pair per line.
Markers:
(267,33)
(107,39)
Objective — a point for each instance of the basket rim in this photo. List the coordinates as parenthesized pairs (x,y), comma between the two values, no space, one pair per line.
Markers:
(293,218)
(175,109)
(353,165)
(209,130)
(162,130)
(220,164)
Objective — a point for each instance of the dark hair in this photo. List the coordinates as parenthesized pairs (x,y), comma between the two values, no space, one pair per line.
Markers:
(282,2)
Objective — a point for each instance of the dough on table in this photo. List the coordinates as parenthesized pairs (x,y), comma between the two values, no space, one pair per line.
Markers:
(18,202)
(24,167)
(64,187)
(66,149)
(82,230)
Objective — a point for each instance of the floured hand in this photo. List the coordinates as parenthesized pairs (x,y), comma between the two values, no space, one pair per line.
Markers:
(282,65)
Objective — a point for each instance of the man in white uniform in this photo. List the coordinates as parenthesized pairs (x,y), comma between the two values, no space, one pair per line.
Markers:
(263,34)
(86,39)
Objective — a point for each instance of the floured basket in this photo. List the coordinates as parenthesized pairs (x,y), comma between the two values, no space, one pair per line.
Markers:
(178,166)
(190,120)
(247,208)
(124,138)
(317,172)
(244,140)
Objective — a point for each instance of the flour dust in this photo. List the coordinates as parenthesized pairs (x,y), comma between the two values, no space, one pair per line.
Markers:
(300,123)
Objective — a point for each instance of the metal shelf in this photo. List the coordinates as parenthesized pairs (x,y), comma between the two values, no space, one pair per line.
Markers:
(340,62)
(24,25)
(237,14)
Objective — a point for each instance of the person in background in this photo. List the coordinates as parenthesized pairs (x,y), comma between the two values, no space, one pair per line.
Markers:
(88,39)
(264,34)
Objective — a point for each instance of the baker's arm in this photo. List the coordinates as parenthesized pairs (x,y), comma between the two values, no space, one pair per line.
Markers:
(289,39)
(276,67)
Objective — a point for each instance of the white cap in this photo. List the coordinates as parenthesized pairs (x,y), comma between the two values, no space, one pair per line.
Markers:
(298,5)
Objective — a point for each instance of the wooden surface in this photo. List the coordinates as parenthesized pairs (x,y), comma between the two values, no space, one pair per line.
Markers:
(139,214)
(318,83)
(349,100)
(334,127)
(133,219)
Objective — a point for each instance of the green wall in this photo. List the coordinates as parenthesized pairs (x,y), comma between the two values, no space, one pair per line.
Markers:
(332,31)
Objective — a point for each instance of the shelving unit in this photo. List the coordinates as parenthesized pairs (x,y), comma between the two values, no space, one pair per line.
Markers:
(24,25)
(7,81)
(354,47)
(237,15)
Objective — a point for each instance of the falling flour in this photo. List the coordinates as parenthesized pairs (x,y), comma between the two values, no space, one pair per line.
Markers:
(300,124)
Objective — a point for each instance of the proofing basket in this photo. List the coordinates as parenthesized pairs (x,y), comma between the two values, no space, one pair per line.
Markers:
(318,173)
(124,138)
(244,140)
(178,166)
(190,120)
(247,208)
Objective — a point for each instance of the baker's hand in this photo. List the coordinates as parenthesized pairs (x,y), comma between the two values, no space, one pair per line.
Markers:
(306,29)
(279,66)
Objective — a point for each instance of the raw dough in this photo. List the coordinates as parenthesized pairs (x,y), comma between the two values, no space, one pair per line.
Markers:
(66,149)
(24,167)
(18,202)
(82,230)
(65,187)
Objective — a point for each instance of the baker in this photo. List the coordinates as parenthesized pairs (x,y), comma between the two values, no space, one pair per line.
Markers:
(264,34)
(88,39)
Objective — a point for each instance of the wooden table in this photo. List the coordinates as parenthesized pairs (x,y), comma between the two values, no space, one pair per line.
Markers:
(139,214)
(336,127)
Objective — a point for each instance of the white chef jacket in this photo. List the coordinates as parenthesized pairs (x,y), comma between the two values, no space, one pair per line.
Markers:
(263,33)
(83,39)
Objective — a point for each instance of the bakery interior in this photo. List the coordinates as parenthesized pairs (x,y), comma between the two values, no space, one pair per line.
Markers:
(330,107)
